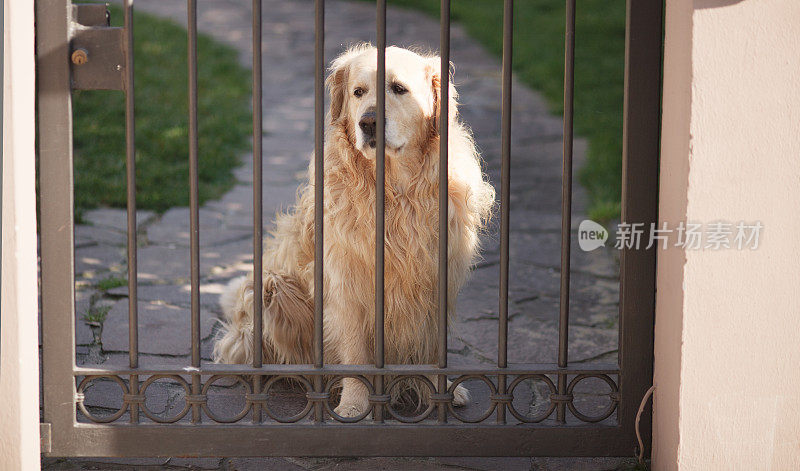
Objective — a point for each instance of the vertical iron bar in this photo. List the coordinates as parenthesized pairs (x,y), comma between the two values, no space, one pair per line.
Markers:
(319,162)
(566,202)
(505,194)
(380,193)
(257,210)
(640,160)
(130,159)
(444,46)
(194,213)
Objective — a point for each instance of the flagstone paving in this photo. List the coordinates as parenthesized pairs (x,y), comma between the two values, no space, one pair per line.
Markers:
(226,240)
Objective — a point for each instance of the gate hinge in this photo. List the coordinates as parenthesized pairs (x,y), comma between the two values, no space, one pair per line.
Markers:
(97,51)
(44,437)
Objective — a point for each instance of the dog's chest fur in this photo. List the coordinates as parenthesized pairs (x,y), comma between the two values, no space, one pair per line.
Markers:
(411,222)
(411,240)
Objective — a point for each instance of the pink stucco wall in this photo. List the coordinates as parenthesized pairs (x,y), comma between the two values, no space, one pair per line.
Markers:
(19,372)
(727,367)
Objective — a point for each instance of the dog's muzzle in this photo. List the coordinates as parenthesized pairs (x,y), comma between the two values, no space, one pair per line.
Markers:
(367,125)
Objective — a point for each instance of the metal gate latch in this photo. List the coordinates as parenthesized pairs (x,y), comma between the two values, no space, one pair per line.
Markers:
(97,59)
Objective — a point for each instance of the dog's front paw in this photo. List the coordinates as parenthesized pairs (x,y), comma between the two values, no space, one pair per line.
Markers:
(350,410)
(460,396)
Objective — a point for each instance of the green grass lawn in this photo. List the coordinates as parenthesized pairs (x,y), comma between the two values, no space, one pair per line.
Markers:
(539,62)
(162,171)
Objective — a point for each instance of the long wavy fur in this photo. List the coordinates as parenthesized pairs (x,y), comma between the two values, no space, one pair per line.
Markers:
(411,218)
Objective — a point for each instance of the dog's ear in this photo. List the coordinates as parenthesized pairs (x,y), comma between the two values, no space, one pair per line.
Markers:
(436,91)
(337,84)
(337,80)
(435,77)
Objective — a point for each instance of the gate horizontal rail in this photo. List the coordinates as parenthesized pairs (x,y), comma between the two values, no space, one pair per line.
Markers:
(310,431)
(336,369)
(344,440)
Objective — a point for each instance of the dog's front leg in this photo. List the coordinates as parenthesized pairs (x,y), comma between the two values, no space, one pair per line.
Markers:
(353,349)
(355,398)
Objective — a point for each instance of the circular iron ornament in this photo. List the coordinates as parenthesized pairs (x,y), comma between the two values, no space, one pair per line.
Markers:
(348,420)
(417,418)
(300,415)
(80,398)
(207,409)
(492,391)
(522,417)
(613,396)
(180,414)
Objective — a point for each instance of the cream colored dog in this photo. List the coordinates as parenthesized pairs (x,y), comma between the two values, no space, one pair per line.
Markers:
(412,166)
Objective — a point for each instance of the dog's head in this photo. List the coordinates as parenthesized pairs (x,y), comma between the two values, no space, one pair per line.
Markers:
(412,94)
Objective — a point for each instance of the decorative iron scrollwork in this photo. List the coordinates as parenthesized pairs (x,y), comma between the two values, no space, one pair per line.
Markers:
(327,396)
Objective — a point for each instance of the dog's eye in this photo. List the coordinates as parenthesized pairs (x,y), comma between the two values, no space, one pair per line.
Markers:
(399,89)
(358,92)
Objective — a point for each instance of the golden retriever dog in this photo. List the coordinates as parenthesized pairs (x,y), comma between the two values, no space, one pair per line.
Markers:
(412,167)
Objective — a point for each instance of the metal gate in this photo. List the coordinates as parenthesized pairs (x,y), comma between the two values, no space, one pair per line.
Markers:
(68,33)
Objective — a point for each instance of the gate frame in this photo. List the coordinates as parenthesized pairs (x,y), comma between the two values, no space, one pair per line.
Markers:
(637,301)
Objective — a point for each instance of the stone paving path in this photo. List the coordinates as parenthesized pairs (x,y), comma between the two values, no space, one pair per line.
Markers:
(226,244)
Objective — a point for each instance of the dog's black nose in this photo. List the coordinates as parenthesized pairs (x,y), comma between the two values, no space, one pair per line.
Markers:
(367,123)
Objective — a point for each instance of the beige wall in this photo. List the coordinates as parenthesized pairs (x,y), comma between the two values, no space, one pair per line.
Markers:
(19,367)
(727,367)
